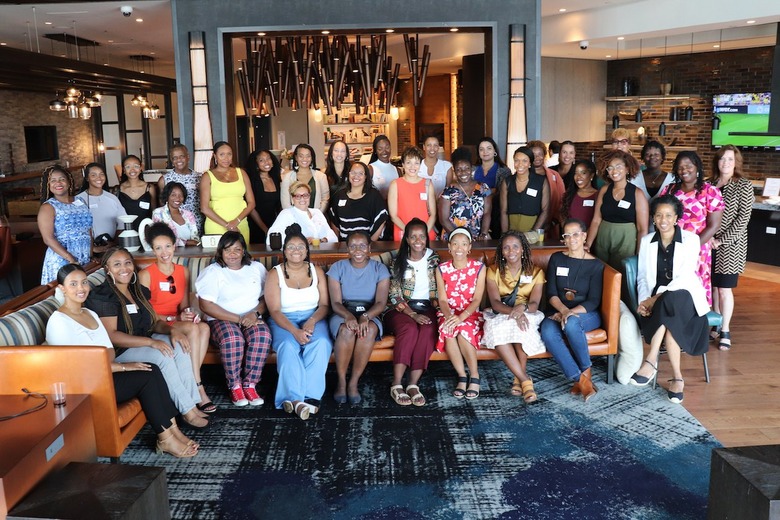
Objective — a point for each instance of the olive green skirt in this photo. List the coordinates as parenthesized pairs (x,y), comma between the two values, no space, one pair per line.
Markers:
(522,223)
(615,242)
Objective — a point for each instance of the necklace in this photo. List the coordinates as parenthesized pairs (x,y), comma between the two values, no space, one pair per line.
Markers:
(569,294)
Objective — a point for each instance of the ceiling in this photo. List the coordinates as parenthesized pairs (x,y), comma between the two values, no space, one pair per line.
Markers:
(647,27)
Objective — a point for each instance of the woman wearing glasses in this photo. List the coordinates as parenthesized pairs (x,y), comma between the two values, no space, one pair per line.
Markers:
(169,287)
(358,289)
(672,303)
(297,297)
(313,224)
(620,219)
(574,283)
(230,292)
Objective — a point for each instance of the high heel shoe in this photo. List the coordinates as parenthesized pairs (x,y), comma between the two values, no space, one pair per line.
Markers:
(638,380)
(587,388)
(187,451)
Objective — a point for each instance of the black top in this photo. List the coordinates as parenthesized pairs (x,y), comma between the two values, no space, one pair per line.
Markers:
(525,203)
(665,264)
(568,178)
(611,209)
(268,205)
(141,207)
(586,277)
(364,214)
(105,303)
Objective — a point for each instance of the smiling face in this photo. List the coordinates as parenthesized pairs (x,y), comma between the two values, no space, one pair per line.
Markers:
(303,157)
(340,152)
(616,170)
(163,247)
(75,287)
(295,250)
(176,198)
(58,183)
(665,218)
(522,163)
(416,238)
(359,249)
(567,153)
(582,176)
(233,255)
(486,151)
(96,177)
(411,166)
(653,158)
(357,176)
(462,171)
(383,149)
(224,156)
(180,159)
(460,247)
(264,162)
(538,157)
(301,197)
(687,171)
(121,267)
(132,168)
(431,146)
(622,145)
(574,237)
(512,249)
(727,163)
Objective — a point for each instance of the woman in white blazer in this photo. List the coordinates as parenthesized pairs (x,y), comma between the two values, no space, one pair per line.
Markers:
(672,302)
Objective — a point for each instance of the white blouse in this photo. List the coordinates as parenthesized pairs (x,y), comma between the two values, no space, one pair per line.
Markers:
(236,291)
(61,329)
(314,227)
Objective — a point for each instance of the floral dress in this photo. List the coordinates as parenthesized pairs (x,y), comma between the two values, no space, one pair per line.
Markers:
(696,209)
(467,211)
(460,286)
(72,223)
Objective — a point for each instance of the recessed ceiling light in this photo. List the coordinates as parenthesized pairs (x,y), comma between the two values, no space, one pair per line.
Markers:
(151,53)
(3,44)
(751,21)
(562,10)
(325,32)
(453,29)
(47,23)
(716,46)
(389,30)
(261,34)
(105,64)
(621,38)
(139,20)
(110,41)
(608,56)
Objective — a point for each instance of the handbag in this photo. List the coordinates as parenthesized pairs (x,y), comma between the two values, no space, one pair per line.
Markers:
(509,299)
(420,305)
(357,307)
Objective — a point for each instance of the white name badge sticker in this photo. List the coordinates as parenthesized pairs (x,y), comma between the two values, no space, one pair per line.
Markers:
(165,286)
(93,206)
(531,192)
(526,278)
(78,202)
(143,205)
(423,196)
(624,204)
(342,203)
(562,271)
(587,203)
(132,308)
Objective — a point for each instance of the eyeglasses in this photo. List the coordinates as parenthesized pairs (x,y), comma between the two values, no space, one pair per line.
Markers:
(358,247)
(236,250)
(620,141)
(567,236)
(616,168)
(132,167)
(293,248)
(172,283)
(302,196)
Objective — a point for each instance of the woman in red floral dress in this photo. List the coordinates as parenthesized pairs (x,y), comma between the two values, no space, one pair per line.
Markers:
(461,284)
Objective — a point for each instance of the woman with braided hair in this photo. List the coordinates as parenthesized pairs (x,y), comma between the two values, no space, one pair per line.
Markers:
(138,333)
(514,288)
(296,293)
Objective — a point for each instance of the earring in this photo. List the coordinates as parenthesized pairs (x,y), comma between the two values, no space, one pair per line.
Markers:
(110,275)
(135,278)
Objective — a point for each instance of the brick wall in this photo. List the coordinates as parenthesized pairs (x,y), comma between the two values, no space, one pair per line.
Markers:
(703,74)
(20,109)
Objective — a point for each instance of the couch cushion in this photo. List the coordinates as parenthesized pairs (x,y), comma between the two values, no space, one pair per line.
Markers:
(27,326)
(128,411)
(596,336)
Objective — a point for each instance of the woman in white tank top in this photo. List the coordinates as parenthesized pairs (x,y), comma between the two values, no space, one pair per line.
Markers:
(297,297)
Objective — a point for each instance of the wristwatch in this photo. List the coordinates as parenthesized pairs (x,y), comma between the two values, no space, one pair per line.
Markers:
(170,318)
(366,316)
(259,315)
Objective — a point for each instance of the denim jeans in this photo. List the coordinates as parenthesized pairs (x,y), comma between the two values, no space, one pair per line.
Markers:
(574,357)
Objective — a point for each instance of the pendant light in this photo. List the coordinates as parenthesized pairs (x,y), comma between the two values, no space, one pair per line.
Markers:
(57,105)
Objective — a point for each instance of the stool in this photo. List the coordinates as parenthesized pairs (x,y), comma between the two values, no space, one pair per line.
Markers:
(98,492)
(745,483)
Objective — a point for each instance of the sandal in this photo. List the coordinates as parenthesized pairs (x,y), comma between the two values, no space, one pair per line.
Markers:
(460,393)
(207,407)
(302,410)
(638,380)
(715,334)
(418,399)
(725,340)
(675,397)
(399,396)
(517,388)
(471,393)
(529,394)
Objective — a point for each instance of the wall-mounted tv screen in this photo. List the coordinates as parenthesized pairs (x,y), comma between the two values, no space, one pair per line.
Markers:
(41,143)
(740,115)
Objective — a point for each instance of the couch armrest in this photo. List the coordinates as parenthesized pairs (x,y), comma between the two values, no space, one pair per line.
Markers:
(84,370)
(610,306)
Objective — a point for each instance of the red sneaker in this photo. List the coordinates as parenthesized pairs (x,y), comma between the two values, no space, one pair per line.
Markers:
(238,397)
(251,394)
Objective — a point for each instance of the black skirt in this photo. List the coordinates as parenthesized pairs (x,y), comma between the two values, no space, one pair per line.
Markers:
(675,311)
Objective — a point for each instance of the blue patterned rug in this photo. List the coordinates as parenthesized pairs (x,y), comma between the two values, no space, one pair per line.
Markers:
(628,453)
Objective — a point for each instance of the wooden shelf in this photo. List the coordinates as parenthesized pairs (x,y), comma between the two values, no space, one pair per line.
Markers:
(670,97)
(647,122)
(638,147)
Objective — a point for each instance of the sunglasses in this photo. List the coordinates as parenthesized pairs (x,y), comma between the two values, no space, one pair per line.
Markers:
(170,280)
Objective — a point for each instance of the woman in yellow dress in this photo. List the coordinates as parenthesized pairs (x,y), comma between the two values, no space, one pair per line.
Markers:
(226,197)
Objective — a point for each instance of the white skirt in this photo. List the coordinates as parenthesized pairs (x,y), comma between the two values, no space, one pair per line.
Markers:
(500,329)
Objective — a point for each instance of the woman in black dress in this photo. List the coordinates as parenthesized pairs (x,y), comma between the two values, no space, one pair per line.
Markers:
(137,196)
(672,303)
(265,176)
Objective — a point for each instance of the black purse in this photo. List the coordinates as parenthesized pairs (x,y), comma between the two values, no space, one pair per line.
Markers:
(357,307)
(510,299)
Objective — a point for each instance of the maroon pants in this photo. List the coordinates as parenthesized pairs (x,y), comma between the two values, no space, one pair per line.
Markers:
(414,343)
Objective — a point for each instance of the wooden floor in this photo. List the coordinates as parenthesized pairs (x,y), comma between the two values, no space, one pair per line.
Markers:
(741,404)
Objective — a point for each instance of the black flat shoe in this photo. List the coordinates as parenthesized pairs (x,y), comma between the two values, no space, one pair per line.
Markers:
(675,397)
(638,380)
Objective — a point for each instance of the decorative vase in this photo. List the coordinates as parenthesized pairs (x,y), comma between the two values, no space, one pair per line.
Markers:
(129,238)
